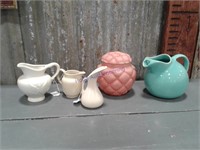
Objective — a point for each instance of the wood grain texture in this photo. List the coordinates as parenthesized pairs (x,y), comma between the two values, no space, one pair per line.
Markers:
(77,33)
(181,29)
(134,121)
(196,63)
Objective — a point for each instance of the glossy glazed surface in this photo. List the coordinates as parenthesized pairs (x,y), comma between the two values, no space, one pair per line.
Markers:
(120,75)
(165,77)
(71,82)
(35,82)
(91,96)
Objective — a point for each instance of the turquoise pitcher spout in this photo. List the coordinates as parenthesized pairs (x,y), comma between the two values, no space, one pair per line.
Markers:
(148,62)
(157,63)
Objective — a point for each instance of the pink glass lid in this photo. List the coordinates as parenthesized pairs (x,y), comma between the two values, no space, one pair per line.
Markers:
(116,57)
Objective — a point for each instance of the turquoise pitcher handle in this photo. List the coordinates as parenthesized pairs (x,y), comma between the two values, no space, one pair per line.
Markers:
(185,59)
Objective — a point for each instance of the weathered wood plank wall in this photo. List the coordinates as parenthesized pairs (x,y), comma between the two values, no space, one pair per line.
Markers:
(76,33)
(12,50)
(196,63)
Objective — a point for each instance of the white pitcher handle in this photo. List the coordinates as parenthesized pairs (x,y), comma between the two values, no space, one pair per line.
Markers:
(60,78)
(83,84)
(57,69)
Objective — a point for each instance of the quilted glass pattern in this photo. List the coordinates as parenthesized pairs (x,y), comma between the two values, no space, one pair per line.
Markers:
(118,79)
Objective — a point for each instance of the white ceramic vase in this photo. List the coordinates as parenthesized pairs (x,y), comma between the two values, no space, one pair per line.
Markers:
(91,96)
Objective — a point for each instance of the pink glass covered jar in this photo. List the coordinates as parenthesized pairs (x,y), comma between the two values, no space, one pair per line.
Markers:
(120,75)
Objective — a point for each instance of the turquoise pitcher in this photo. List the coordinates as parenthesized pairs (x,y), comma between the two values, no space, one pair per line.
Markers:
(165,77)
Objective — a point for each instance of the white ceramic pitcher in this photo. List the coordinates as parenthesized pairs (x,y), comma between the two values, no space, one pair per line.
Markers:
(71,82)
(35,82)
(91,96)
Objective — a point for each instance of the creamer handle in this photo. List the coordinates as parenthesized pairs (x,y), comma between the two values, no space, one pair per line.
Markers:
(185,59)
(57,69)
(58,77)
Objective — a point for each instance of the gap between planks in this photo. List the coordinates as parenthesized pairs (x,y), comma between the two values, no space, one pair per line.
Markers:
(95,115)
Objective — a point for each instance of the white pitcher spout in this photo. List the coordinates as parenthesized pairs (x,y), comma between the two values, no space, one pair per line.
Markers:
(28,69)
(98,70)
(81,72)
(31,66)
